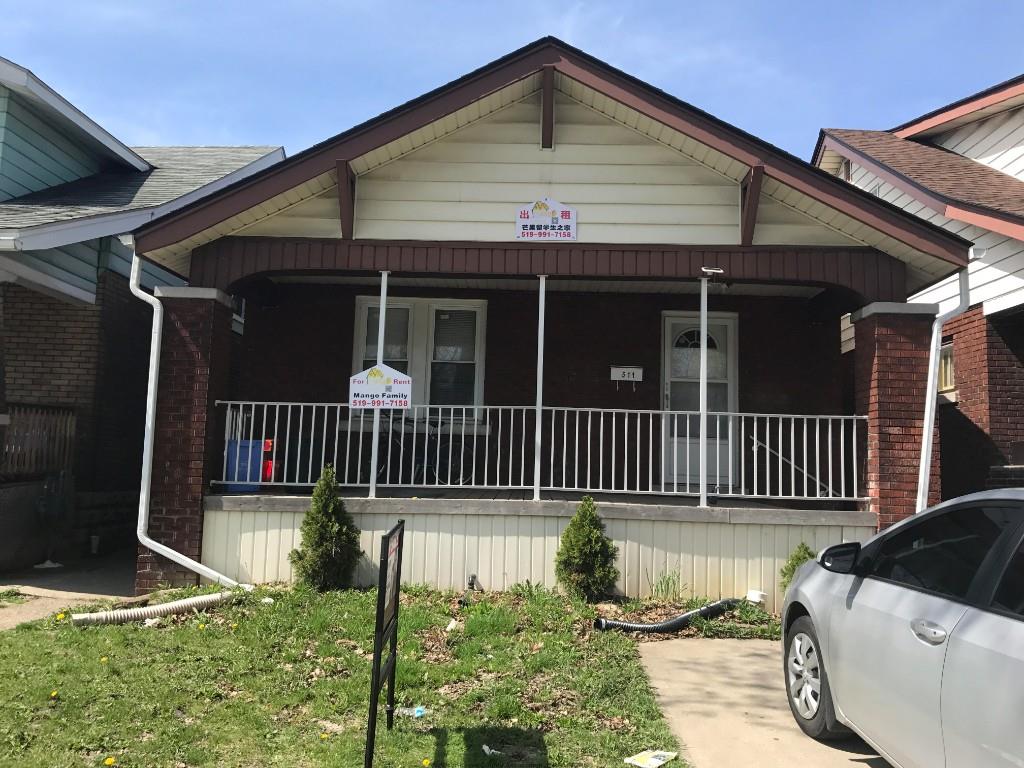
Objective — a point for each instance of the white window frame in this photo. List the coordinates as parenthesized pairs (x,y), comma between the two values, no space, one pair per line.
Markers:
(421,339)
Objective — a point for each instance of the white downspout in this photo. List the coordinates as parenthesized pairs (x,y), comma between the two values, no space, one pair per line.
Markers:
(147,445)
(931,394)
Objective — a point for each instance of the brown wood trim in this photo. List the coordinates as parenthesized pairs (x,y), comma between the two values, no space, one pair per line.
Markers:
(346,199)
(872,275)
(603,78)
(990,97)
(750,196)
(547,113)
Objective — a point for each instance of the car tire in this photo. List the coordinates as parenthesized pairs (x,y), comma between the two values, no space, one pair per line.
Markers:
(812,709)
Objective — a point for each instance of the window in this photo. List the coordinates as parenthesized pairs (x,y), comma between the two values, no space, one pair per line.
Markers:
(439,342)
(943,553)
(947,378)
(1010,594)
(238,314)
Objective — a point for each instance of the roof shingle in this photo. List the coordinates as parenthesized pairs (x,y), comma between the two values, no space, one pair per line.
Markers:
(947,174)
(177,171)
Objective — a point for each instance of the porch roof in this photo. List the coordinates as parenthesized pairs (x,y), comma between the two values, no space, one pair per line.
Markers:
(547,65)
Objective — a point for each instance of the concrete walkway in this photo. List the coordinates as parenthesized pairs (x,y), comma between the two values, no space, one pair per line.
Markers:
(726,703)
(48,591)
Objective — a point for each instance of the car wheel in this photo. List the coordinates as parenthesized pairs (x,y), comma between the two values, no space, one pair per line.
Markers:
(807,688)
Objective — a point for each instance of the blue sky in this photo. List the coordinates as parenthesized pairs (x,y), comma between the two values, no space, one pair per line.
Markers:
(294,73)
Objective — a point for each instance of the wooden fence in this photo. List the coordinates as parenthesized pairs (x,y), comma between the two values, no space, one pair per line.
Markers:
(38,441)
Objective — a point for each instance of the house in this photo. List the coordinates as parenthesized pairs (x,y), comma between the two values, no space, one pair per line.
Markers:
(73,341)
(549,357)
(961,167)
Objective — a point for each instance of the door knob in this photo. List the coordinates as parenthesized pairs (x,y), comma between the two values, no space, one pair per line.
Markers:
(928,631)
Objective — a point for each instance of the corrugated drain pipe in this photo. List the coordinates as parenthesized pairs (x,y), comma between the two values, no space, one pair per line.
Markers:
(142,530)
(683,620)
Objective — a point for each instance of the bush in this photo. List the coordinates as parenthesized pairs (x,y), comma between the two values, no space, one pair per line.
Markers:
(800,555)
(585,563)
(330,539)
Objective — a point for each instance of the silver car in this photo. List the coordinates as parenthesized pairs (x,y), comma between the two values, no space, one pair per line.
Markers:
(915,639)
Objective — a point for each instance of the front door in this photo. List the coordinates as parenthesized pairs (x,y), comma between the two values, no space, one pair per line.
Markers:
(681,367)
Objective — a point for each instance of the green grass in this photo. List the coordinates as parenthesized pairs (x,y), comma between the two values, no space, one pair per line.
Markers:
(10,596)
(287,685)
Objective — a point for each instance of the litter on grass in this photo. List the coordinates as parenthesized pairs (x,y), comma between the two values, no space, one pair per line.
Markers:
(416,712)
(488,751)
(650,758)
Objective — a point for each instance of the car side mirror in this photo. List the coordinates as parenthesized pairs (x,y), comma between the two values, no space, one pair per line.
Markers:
(840,558)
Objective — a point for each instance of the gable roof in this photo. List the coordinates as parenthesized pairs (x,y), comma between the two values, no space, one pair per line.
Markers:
(175,176)
(997,98)
(23,82)
(952,177)
(205,220)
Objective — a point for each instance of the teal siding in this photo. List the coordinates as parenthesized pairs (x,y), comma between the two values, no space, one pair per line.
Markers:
(118,258)
(75,264)
(33,154)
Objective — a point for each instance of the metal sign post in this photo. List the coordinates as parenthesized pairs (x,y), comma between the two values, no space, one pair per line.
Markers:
(388,589)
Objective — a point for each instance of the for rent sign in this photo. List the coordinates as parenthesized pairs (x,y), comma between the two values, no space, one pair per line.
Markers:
(380,387)
(546,219)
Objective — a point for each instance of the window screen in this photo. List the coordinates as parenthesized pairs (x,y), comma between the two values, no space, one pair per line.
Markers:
(453,357)
(943,553)
(396,338)
(1010,594)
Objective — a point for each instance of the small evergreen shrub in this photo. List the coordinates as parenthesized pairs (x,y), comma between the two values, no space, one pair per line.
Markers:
(800,555)
(585,563)
(330,539)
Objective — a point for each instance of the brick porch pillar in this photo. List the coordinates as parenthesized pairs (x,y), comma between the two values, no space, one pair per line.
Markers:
(890,377)
(194,371)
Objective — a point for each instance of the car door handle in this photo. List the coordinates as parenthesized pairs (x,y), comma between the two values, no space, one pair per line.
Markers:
(928,631)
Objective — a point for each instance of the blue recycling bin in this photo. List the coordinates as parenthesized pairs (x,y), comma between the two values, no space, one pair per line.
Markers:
(244,465)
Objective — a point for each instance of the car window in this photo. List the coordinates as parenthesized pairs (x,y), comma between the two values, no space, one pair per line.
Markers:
(1010,594)
(942,553)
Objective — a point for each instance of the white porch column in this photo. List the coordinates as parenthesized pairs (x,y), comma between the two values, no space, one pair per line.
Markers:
(539,407)
(382,321)
(703,396)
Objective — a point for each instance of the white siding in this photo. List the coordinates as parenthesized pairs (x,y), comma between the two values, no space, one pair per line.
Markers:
(996,141)
(716,559)
(996,279)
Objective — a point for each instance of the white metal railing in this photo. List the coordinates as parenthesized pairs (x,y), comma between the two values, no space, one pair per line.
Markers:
(587,450)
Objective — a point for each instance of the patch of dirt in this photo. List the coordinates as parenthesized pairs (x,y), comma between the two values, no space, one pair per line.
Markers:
(435,646)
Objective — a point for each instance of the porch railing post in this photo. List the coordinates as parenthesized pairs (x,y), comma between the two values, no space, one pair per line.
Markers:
(540,387)
(702,460)
(382,321)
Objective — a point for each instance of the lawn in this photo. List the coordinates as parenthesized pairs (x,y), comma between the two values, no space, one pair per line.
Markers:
(287,683)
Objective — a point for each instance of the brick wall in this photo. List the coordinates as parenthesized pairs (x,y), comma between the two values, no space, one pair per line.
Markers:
(890,377)
(51,358)
(194,371)
(90,357)
(981,428)
(789,359)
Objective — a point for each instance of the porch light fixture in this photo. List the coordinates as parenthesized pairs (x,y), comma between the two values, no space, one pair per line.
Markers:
(712,270)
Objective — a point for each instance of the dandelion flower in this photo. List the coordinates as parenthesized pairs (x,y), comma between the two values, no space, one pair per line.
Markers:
(53,694)
(103,659)
(60,617)
(202,626)
(110,761)
(234,625)
(426,762)
(324,735)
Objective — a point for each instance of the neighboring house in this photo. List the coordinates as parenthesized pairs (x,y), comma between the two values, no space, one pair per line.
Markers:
(961,167)
(73,341)
(648,190)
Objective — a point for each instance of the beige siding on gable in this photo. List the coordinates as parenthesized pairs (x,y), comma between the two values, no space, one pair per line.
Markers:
(996,141)
(626,187)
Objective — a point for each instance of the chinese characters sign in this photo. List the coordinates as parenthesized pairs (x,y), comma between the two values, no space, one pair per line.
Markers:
(380,387)
(546,219)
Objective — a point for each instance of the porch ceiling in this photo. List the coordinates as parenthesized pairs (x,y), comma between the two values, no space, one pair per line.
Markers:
(557,284)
